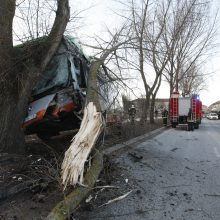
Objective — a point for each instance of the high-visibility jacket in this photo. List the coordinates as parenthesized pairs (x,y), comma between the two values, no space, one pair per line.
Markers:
(190,117)
(164,114)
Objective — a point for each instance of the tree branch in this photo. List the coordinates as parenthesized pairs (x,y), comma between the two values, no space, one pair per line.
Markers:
(56,34)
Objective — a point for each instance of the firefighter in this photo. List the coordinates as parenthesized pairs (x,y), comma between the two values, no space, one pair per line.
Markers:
(156,113)
(132,112)
(190,121)
(164,116)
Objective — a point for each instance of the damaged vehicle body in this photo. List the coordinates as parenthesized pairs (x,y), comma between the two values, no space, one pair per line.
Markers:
(57,99)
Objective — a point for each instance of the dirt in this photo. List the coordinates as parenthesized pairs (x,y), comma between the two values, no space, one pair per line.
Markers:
(109,186)
(27,184)
(30,185)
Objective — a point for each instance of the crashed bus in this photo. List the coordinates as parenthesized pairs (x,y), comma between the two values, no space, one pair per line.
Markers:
(58,97)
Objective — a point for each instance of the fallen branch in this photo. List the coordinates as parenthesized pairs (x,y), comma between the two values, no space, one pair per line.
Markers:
(116,199)
(135,155)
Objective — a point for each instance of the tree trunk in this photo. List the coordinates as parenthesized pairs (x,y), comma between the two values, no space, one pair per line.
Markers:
(152,106)
(172,81)
(17,79)
(10,132)
(154,94)
(14,105)
(177,81)
(92,90)
(11,118)
(145,108)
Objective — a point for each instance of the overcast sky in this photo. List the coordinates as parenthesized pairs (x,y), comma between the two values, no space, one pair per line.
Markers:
(100,14)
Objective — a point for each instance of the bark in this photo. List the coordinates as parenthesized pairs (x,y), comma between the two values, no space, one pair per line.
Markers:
(92,90)
(7,11)
(9,99)
(152,106)
(177,81)
(13,110)
(146,87)
(171,87)
(154,94)
(146,106)
(17,78)
(57,31)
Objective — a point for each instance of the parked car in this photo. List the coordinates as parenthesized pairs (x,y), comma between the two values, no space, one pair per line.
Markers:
(212,116)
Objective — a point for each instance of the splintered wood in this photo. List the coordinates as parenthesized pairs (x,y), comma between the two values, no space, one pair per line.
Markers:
(81,146)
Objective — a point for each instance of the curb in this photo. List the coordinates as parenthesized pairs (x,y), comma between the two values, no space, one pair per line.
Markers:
(136,140)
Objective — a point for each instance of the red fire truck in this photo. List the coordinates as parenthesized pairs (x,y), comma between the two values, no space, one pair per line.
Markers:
(179,108)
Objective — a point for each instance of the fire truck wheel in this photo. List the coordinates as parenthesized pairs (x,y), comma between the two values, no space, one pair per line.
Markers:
(190,127)
(196,126)
(173,125)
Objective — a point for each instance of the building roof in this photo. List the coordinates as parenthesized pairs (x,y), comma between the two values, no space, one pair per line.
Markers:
(215,106)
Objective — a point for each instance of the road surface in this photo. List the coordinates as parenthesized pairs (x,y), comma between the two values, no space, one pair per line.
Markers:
(177,178)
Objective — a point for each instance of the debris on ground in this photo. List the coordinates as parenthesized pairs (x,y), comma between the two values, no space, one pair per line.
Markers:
(116,199)
(30,185)
(135,155)
(174,149)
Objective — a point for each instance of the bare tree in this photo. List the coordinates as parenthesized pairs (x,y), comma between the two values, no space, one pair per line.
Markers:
(33,19)
(157,53)
(139,22)
(193,81)
(148,22)
(192,35)
(19,70)
(83,144)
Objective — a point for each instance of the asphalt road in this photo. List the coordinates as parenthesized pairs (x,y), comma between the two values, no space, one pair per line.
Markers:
(177,178)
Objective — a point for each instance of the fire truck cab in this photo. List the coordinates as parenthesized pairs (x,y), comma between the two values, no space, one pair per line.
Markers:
(179,108)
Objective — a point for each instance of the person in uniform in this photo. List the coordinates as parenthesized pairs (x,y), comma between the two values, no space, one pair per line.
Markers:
(164,116)
(190,121)
(156,113)
(132,113)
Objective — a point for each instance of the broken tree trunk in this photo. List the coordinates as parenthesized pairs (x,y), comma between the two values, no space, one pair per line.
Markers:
(82,144)
(65,208)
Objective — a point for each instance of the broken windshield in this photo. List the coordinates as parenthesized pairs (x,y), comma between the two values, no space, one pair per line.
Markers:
(56,75)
